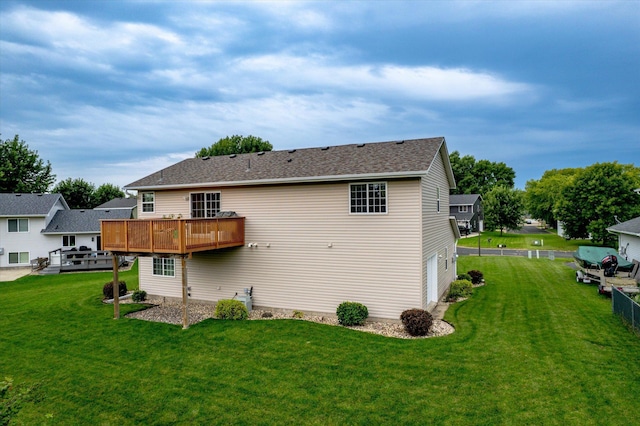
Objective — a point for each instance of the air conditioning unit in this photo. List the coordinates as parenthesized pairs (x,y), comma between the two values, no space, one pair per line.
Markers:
(247,301)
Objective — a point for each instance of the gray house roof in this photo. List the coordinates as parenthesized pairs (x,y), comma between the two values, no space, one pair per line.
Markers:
(463,199)
(82,221)
(630,227)
(356,161)
(118,203)
(29,204)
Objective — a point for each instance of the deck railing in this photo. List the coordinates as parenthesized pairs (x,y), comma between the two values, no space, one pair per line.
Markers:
(171,236)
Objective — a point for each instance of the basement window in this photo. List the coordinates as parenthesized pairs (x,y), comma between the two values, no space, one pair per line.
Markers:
(368,198)
(164,267)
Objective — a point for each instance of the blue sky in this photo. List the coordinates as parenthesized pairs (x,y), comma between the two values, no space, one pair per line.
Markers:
(110,91)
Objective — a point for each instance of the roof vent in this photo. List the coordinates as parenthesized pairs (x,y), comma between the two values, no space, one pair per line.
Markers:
(291,151)
(360,145)
(233,156)
(289,160)
(205,158)
(261,153)
(400,142)
(18,195)
(324,148)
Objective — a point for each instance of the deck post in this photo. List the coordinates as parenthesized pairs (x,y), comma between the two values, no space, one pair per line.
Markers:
(185,295)
(116,288)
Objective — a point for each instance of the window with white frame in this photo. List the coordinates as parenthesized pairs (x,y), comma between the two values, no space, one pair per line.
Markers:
(463,209)
(369,198)
(148,202)
(18,225)
(446,258)
(164,267)
(205,204)
(68,241)
(17,258)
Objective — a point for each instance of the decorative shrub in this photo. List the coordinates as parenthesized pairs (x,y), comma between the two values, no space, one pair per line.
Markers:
(352,313)
(298,314)
(417,322)
(107,290)
(231,309)
(139,296)
(464,277)
(460,288)
(476,276)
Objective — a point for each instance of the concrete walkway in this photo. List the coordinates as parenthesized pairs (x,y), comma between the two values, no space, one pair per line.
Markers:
(12,274)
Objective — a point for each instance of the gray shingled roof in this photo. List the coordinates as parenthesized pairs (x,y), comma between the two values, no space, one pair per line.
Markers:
(463,199)
(82,221)
(631,227)
(118,203)
(28,204)
(395,158)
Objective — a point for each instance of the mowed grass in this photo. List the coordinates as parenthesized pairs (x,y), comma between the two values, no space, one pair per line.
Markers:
(530,347)
(542,241)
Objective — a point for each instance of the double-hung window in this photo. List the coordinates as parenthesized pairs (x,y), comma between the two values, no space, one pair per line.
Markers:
(148,202)
(205,204)
(18,225)
(68,241)
(16,258)
(368,198)
(463,209)
(164,267)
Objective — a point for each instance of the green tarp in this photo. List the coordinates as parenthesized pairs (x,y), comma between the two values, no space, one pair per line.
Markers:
(590,256)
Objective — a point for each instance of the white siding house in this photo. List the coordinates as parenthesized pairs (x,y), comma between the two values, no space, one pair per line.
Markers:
(628,238)
(367,223)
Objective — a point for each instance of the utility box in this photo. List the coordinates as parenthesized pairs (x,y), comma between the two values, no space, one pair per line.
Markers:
(247,301)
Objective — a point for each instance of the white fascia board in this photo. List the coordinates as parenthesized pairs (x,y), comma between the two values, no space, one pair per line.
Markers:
(284,181)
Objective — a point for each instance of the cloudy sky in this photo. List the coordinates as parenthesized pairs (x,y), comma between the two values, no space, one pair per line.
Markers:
(110,91)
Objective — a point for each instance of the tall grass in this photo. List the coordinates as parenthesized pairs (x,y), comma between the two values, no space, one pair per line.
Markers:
(531,347)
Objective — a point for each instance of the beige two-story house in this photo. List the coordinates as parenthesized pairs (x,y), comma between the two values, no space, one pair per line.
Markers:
(305,229)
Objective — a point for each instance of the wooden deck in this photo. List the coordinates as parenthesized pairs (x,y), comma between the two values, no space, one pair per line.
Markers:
(171,236)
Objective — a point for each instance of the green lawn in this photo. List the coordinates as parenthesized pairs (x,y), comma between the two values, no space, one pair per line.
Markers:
(531,347)
(543,241)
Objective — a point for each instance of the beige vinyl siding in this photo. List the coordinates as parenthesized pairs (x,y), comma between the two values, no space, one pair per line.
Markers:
(436,229)
(311,253)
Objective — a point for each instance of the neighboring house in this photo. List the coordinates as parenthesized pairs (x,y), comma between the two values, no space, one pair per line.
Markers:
(628,238)
(130,204)
(467,209)
(37,225)
(367,223)
(22,217)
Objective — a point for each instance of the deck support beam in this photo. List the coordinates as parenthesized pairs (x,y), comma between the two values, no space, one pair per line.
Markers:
(116,288)
(185,294)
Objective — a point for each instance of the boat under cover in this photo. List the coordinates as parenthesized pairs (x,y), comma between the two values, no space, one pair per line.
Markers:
(592,257)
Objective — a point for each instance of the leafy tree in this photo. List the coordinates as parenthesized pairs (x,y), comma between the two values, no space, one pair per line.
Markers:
(106,192)
(599,194)
(78,193)
(543,197)
(21,169)
(235,144)
(478,177)
(503,208)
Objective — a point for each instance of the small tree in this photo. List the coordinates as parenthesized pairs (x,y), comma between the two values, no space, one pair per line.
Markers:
(235,144)
(78,193)
(106,192)
(503,208)
(21,169)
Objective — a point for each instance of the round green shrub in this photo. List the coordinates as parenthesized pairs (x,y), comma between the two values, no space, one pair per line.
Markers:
(459,289)
(231,309)
(139,296)
(352,313)
(464,277)
(107,289)
(417,322)
(476,276)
